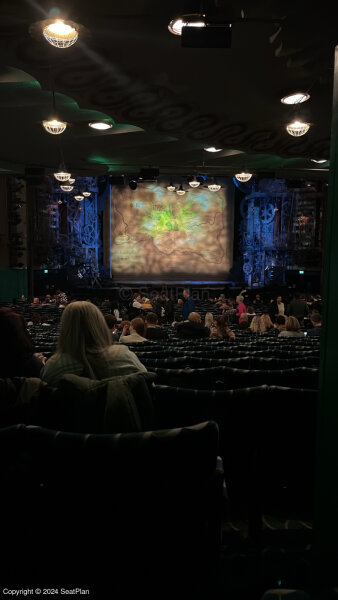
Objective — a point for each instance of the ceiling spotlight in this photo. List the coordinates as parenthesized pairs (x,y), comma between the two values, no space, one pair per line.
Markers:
(79,198)
(319,160)
(243,176)
(194,183)
(61,34)
(214,187)
(61,174)
(132,184)
(192,20)
(297,128)
(54,126)
(71,180)
(171,187)
(296,98)
(66,188)
(212,149)
(180,191)
(101,125)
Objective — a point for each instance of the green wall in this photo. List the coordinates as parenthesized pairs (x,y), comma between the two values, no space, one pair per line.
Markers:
(13,283)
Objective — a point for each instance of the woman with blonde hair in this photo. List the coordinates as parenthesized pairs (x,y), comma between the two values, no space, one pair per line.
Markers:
(85,347)
(292,328)
(209,319)
(265,323)
(255,324)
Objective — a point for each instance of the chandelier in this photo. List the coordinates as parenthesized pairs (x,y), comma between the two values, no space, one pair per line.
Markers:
(243,176)
(71,180)
(60,34)
(79,197)
(171,187)
(297,128)
(54,126)
(86,193)
(66,188)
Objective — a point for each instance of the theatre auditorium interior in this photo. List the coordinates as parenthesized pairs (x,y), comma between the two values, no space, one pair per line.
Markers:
(168,299)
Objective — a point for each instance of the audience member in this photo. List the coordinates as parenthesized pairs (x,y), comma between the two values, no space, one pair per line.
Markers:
(85,347)
(276,308)
(280,323)
(316,321)
(265,323)
(298,308)
(137,330)
(137,301)
(241,308)
(153,332)
(243,321)
(17,358)
(208,320)
(255,324)
(192,328)
(292,328)
(222,329)
(36,302)
(189,304)
(112,326)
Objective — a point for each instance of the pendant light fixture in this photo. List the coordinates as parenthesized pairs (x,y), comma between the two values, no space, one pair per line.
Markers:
(62,174)
(66,188)
(297,128)
(180,191)
(71,180)
(214,186)
(194,183)
(60,33)
(171,187)
(86,193)
(54,126)
(243,177)
(79,197)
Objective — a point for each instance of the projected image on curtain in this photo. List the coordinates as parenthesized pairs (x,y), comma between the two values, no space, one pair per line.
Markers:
(156,234)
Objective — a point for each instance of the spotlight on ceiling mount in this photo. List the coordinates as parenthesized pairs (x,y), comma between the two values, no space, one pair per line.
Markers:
(132,184)
(190,20)
(297,128)
(296,98)
(100,125)
(61,34)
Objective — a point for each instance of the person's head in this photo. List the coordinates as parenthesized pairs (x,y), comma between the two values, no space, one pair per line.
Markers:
(266,322)
(36,301)
(137,297)
(83,333)
(292,324)
(16,341)
(239,299)
(186,293)
(316,319)
(222,326)
(48,297)
(280,322)
(258,297)
(137,325)
(255,324)
(279,299)
(243,317)
(250,310)
(124,324)
(151,319)
(194,317)
(111,321)
(209,319)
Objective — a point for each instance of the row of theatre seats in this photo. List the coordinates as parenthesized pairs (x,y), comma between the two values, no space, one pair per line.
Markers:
(225,429)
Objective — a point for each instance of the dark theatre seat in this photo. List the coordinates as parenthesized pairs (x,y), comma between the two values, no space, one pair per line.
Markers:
(124,514)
